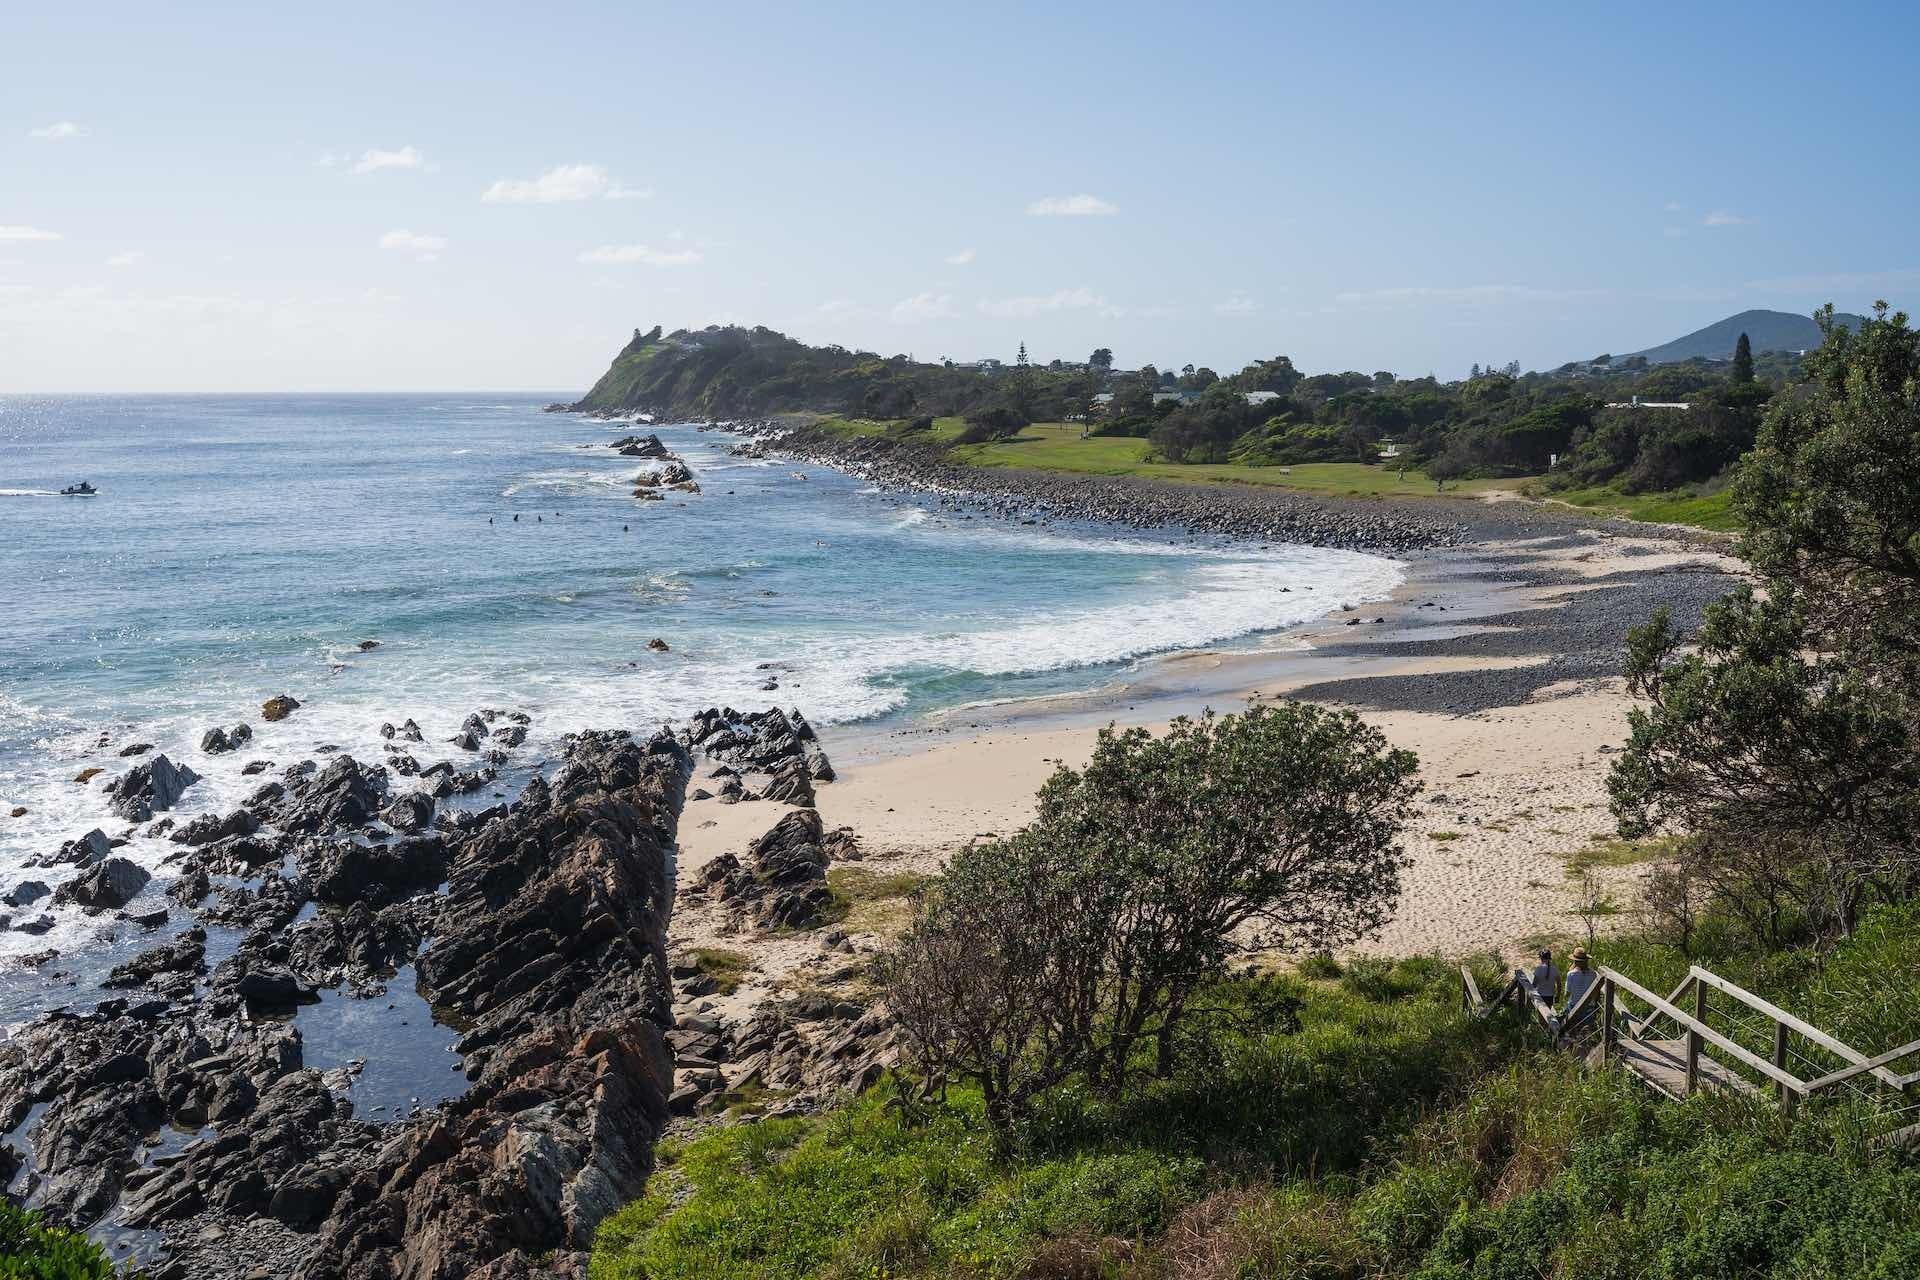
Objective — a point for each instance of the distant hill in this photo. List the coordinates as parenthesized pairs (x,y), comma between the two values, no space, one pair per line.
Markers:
(1766,330)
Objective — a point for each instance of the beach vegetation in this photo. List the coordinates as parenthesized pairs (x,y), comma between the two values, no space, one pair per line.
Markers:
(1078,949)
(30,1249)
(1385,1135)
(1781,737)
(727,968)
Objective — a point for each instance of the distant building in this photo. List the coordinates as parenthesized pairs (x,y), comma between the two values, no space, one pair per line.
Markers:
(1261,397)
(1638,403)
(1389,448)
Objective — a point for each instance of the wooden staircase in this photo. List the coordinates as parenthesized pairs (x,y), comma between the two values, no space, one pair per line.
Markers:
(1712,1034)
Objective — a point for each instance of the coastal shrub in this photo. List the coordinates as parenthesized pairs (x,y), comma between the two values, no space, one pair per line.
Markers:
(1078,947)
(987,425)
(1781,736)
(32,1250)
(884,1186)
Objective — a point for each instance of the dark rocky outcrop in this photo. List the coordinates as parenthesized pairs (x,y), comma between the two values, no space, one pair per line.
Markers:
(342,796)
(149,788)
(550,952)
(217,741)
(172,966)
(647,446)
(113,883)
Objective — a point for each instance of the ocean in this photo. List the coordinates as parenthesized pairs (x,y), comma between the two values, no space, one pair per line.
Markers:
(242,546)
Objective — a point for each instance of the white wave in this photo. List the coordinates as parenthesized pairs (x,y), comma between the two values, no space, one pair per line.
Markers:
(28,493)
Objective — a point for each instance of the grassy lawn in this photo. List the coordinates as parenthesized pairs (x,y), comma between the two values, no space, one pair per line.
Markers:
(1714,511)
(1057,446)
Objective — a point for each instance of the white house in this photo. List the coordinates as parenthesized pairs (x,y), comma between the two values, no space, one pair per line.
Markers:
(1638,403)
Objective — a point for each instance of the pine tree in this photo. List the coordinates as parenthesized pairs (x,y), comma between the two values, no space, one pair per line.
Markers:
(1020,387)
(1743,360)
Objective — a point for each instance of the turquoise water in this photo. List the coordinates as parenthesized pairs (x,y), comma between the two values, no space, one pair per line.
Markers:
(243,546)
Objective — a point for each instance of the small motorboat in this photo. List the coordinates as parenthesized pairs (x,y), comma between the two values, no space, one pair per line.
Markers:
(81,490)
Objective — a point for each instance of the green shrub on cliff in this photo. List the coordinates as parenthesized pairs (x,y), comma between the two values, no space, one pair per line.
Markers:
(31,1250)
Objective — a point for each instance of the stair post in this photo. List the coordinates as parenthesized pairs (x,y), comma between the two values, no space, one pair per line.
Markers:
(1693,1037)
(1606,1020)
(1788,1098)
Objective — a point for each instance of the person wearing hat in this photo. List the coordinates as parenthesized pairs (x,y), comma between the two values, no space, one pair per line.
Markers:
(1546,978)
(1579,978)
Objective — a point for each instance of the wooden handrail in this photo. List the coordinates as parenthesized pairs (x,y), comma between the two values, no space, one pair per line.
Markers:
(1784,1078)
(1811,1032)
(1874,1065)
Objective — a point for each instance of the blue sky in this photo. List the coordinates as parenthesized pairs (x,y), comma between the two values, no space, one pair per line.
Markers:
(210,197)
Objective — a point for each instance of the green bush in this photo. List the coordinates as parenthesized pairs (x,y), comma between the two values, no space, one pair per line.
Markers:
(31,1250)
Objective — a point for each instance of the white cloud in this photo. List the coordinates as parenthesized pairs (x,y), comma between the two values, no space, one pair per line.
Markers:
(376,160)
(425,248)
(563,184)
(1674,206)
(626,254)
(27,233)
(1040,304)
(1724,218)
(126,259)
(556,186)
(923,306)
(1080,206)
(961,258)
(837,306)
(58,130)
(1238,305)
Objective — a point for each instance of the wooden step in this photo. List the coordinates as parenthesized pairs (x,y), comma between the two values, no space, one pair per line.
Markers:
(1663,1064)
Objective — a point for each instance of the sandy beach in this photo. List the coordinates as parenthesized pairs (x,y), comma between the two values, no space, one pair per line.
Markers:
(1497,664)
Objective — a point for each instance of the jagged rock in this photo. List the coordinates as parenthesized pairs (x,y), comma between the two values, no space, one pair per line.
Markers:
(209,827)
(410,812)
(279,707)
(114,883)
(192,887)
(184,957)
(85,851)
(342,796)
(647,446)
(818,766)
(149,788)
(657,645)
(791,784)
(25,893)
(88,774)
(136,749)
(346,871)
(273,989)
(550,953)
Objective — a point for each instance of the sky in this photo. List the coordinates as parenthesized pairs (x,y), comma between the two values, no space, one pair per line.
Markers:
(203,197)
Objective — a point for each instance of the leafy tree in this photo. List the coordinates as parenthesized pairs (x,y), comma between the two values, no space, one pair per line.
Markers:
(1743,360)
(1068,949)
(1789,729)
(1102,358)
